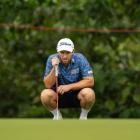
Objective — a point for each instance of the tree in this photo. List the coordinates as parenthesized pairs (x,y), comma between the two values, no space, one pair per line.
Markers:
(114,56)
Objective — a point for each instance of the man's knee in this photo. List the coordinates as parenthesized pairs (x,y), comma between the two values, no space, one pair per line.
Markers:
(87,94)
(47,94)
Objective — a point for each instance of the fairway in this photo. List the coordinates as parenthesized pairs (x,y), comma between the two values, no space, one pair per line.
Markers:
(45,129)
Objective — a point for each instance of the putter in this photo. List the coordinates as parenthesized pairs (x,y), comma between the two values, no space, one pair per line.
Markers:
(56,82)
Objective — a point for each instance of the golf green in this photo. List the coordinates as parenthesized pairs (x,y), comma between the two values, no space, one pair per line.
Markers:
(69,129)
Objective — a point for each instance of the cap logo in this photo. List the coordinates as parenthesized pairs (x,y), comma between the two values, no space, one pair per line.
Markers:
(64,43)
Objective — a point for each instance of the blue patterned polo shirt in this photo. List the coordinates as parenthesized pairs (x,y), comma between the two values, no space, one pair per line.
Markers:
(78,69)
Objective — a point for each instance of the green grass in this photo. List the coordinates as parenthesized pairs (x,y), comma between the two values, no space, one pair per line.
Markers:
(45,129)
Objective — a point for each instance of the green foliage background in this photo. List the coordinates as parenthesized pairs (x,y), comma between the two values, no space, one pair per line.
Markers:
(115,57)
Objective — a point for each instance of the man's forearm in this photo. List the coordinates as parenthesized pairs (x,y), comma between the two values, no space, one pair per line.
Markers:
(87,82)
(49,80)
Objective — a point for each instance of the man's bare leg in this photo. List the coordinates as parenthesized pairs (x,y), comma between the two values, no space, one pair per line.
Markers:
(48,99)
(87,99)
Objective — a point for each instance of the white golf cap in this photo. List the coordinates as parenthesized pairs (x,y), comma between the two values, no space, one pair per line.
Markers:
(65,44)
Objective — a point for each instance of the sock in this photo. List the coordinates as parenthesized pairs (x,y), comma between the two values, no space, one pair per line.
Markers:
(84,113)
(54,112)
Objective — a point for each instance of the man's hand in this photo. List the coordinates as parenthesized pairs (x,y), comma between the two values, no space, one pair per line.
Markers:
(63,88)
(55,61)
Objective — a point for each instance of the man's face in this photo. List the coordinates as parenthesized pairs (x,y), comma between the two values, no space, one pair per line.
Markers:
(65,57)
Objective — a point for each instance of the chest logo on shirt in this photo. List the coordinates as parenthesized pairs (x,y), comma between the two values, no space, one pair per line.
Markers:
(75,71)
(90,72)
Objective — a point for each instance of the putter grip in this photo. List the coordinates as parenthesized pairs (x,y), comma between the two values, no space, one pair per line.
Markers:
(56,70)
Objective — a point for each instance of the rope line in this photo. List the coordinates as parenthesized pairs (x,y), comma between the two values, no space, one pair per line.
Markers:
(88,30)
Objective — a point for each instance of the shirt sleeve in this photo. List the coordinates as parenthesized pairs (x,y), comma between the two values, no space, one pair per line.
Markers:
(86,70)
(48,67)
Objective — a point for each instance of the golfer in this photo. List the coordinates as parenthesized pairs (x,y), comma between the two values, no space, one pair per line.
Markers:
(75,81)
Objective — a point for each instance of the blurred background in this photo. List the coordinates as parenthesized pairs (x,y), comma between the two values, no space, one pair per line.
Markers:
(107,32)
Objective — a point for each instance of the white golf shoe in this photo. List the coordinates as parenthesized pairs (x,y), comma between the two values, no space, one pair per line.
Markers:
(59,117)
